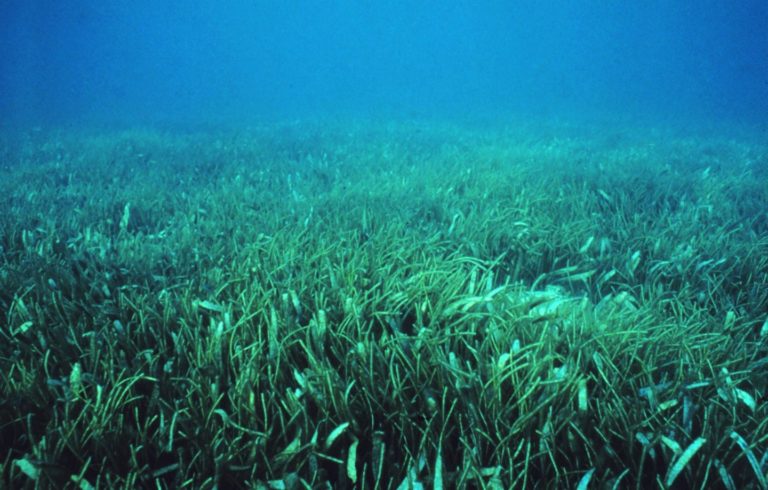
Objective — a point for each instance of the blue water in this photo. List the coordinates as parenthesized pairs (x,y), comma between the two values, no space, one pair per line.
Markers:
(204,61)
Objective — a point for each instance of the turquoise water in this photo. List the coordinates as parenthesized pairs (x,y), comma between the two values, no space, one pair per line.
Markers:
(209,63)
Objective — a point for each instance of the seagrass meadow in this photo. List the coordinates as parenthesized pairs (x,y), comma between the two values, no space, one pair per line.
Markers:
(389,305)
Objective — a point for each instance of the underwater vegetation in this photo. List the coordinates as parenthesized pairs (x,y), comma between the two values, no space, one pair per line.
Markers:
(383,306)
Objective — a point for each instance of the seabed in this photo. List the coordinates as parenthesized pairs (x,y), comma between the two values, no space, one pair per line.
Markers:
(398,305)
